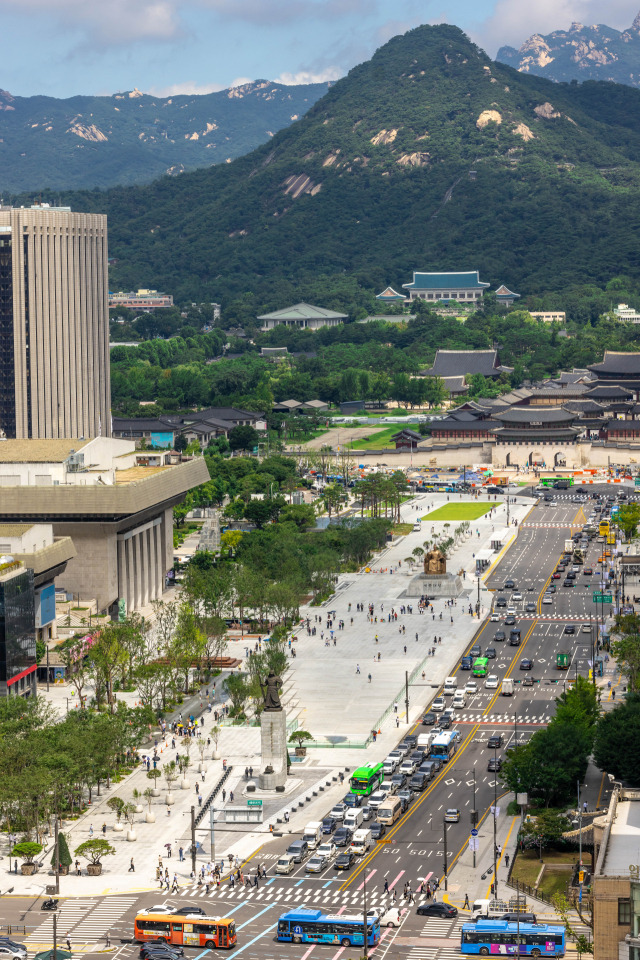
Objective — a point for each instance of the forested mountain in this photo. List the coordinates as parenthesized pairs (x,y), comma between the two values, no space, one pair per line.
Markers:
(134,137)
(580,53)
(428,156)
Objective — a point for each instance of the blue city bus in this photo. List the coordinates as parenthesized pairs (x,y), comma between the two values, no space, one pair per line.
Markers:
(444,745)
(503,937)
(313,926)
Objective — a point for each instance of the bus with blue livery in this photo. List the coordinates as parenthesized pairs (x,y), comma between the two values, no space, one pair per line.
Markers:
(313,926)
(505,937)
(444,745)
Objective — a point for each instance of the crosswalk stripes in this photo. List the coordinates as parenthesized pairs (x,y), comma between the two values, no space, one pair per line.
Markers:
(69,914)
(84,921)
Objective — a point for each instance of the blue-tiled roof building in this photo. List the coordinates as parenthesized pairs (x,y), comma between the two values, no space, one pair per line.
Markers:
(465,286)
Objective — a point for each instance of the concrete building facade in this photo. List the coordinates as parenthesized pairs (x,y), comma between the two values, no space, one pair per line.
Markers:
(116,509)
(54,327)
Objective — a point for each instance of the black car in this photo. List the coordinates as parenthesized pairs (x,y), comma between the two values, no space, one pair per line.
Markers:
(495,740)
(445,723)
(551,588)
(329,824)
(353,800)
(476,650)
(568,583)
(526,664)
(411,739)
(429,719)
(499,635)
(510,620)
(398,780)
(466,663)
(495,764)
(528,681)
(418,781)
(160,951)
(437,910)
(418,756)
(530,607)
(514,639)
(570,628)
(501,602)
(509,585)
(342,837)
(490,653)
(377,830)
(344,860)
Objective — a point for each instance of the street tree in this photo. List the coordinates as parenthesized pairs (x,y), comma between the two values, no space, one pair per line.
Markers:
(243,437)
(628,519)
(616,748)
(94,850)
(625,647)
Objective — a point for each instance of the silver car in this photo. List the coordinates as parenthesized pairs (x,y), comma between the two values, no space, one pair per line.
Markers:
(316,864)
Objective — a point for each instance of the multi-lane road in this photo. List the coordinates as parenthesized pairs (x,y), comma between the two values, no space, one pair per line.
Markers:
(412,849)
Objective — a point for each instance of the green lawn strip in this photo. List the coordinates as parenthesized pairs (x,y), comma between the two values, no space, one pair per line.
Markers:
(461,511)
(375,441)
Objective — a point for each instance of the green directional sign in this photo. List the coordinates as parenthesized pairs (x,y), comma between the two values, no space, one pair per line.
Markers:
(602,598)
(254,803)
(636,482)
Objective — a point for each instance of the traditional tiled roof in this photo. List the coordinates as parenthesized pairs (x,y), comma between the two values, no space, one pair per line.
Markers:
(471,426)
(573,390)
(620,426)
(555,433)
(617,362)
(303,311)
(388,295)
(613,392)
(455,384)
(453,363)
(406,434)
(527,416)
(583,407)
(446,281)
(503,293)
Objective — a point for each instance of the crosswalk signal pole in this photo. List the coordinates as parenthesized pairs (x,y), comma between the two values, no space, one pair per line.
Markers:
(212,828)
(193,840)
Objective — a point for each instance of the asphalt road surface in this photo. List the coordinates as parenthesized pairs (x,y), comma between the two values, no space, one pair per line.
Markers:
(412,849)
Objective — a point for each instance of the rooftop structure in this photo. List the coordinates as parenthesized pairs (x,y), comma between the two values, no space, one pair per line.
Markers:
(446,286)
(304,316)
(389,295)
(17,629)
(454,363)
(626,314)
(144,300)
(549,316)
(506,297)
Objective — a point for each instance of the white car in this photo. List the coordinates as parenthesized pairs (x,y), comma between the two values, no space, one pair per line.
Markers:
(326,850)
(516,596)
(511,611)
(376,799)
(387,788)
(495,616)
(471,686)
(438,704)
(460,700)
(391,917)
(338,811)
(491,683)
(547,598)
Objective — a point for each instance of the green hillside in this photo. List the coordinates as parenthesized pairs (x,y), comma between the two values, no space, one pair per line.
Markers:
(428,156)
(134,137)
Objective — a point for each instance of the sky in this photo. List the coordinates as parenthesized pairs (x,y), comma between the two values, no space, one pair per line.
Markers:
(63,48)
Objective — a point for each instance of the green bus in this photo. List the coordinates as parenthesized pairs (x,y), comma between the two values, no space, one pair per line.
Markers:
(367,779)
(480,667)
(557,481)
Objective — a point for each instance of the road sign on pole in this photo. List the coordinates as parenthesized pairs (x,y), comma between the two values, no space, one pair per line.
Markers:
(602,598)
(474,833)
(254,803)
(474,843)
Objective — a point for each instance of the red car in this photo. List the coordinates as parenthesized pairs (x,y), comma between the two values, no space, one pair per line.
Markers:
(556,575)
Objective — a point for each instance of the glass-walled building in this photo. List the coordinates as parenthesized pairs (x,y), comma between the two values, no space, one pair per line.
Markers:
(17,629)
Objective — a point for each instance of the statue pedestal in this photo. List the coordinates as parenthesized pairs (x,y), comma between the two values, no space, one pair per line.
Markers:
(434,585)
(273,735)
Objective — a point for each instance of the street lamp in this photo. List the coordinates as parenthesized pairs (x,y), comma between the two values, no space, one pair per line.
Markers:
(474,813)
(444,850)
(495,827)
(364,917)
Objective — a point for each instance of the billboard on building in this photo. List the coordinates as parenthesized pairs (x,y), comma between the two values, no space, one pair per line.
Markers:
(163,441)
(45,601)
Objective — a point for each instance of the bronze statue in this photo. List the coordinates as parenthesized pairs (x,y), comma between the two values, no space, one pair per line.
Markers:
(270,693)
(435,563)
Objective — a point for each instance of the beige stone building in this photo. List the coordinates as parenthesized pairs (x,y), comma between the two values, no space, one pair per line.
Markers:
(54,326)
(116,506)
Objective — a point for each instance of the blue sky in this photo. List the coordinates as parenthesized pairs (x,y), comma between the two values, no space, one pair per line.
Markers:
(68,47)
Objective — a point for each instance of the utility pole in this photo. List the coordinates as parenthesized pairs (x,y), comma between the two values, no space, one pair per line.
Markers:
(57,849)
(47,668)
(406,693)
(446,878)
(212,834)
(474,813)
(579,826)
(193,840)
(55,936)
(495,831)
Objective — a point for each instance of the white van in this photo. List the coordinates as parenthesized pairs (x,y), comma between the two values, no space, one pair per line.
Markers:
(362,841)
(312,833)
(286,864)
(507,687)
(354,818)
(459,700)
(450,686)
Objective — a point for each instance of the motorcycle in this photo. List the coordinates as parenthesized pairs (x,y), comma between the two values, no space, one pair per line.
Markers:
(50,904)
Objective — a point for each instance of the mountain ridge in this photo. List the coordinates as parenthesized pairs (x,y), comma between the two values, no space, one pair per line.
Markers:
(134,137)
(595,52)
(427,156)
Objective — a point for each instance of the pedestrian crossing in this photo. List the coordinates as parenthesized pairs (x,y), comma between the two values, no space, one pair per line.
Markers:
(496,718)
(84,921)
(307,895)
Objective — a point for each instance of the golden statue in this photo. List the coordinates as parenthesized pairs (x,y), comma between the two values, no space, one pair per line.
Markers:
(435,563)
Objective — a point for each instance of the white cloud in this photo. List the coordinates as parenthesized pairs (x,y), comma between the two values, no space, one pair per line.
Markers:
(309,76)
(106,22)
(190,88)
(513,22)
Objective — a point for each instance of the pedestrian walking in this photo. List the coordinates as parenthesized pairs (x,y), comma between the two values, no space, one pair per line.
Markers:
(224,795)
(104,829)
(357,668)
(68,944)
(90,829)
(181,854)
(78,870)
(506,859)
(585,806)
(466,905)
(132,868)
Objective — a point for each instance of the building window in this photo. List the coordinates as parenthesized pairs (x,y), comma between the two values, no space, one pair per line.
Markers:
(624,911)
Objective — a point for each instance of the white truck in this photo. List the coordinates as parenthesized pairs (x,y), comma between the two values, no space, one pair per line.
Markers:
(507,687)
(362,841)
(496,908)
(450,686)
(312,833)
(568,546)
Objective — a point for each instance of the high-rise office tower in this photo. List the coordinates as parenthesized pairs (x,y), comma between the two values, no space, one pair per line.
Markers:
(54,323)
